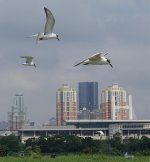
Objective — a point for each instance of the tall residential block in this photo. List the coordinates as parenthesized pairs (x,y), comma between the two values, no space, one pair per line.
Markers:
(88,95)
(17,117)
(114,104)
(66,104)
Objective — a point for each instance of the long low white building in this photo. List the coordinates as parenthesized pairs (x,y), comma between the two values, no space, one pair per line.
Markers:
(91,128)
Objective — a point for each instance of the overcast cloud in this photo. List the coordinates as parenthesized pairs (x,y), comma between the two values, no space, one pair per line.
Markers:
(85,27)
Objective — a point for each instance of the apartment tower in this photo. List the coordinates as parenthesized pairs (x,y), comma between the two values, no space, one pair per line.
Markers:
(114,105)
(66,104)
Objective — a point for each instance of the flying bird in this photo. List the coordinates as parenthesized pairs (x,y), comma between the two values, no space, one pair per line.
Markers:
(29,61)
(48,31)
(96,59)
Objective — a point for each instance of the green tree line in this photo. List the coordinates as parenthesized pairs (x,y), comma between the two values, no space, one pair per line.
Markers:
(59,144)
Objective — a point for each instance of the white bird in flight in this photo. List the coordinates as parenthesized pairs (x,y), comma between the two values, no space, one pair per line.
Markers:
(29,61)
(96,59)
(48,31)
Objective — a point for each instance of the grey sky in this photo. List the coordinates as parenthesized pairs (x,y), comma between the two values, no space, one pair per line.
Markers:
(85,27)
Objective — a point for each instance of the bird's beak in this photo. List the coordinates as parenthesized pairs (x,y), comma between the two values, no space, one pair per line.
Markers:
(110,65)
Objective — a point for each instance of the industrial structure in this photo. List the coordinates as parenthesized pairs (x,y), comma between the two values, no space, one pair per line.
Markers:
(91,128)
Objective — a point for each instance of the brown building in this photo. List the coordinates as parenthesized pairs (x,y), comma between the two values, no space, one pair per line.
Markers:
(66,104)
(114,105)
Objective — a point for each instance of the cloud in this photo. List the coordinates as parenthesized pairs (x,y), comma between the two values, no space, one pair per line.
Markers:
(120,28)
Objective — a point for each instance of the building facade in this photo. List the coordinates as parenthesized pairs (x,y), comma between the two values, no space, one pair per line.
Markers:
(17,117)
(114,105)
(90,128)
(88,95)
(66,104)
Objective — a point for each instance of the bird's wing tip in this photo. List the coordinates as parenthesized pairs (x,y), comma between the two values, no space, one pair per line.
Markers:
(23,56)
(75,65)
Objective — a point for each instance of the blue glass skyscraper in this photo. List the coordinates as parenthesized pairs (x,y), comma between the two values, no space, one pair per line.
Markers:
(88,95)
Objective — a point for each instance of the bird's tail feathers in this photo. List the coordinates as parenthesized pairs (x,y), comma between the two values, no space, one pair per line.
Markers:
(31,36)
(39,37)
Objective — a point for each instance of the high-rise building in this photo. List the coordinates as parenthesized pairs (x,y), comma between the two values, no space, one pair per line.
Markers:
(88,95)
(114,105)
(17,118)
(66,104)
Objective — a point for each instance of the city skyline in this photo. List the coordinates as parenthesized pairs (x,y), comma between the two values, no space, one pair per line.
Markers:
(119,28)
(65,91)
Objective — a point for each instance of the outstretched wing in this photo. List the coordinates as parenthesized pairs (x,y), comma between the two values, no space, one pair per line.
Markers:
(80,63)
(50,21)
(28,59)
(96,57)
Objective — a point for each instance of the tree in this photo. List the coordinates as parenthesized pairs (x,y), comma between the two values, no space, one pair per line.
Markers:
(72,143)
(116,143)
(89,145)
(145,145)
(3,151)
(11,142)
(31,145)
(131,145)
(43,144)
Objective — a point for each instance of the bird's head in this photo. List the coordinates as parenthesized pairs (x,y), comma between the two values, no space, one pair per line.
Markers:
(108,60)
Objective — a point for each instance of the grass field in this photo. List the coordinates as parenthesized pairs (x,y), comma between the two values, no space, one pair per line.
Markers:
(76,158)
